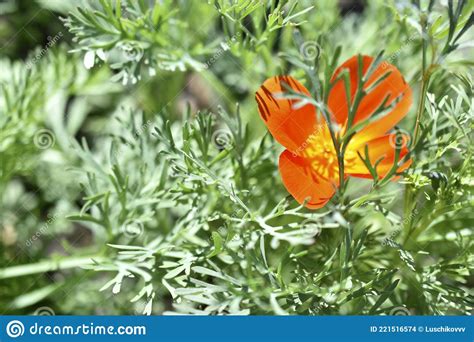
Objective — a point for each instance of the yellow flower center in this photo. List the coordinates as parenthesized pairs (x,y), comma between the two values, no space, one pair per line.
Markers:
(323,157)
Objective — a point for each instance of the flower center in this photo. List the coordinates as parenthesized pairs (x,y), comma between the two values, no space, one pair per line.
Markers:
(323,157)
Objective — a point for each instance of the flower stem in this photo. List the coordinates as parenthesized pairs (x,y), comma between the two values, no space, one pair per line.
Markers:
(425,77)
(340,160)
(49,265)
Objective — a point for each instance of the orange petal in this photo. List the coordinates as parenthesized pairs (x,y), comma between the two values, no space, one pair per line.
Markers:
(289,125)
(380,148)
(393,86)
(303,183)
(337,102)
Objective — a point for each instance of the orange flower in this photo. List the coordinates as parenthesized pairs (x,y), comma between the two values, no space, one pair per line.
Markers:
(309,165)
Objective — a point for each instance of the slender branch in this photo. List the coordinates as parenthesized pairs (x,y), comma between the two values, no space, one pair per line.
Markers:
(48,266)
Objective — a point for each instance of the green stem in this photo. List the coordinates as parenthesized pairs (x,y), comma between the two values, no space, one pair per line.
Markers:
(425,78)
(421,106)
(48,266)
(408,207)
